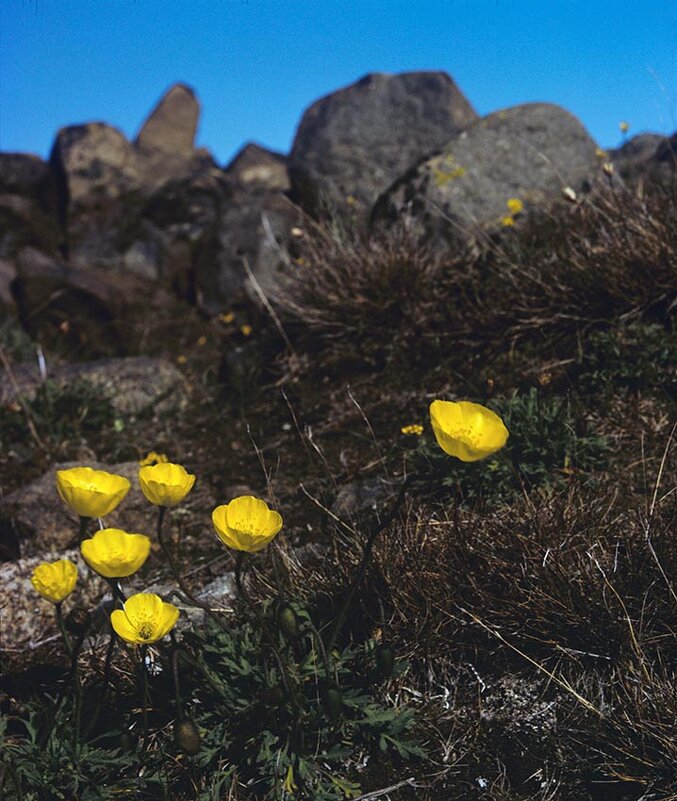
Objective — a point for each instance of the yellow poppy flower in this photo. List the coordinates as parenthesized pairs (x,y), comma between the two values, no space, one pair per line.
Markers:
(466,430)
(145,618)
(113,553)
(507,220)
(515,205)
(55,580)
(246,523)
(165,484)
(90,493)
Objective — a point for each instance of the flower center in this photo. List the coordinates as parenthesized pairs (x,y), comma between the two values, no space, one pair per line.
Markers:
(146,631)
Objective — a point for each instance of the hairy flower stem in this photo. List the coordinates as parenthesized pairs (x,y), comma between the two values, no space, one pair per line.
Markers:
(175,676)
(73,653)
(179,578)
(267,633)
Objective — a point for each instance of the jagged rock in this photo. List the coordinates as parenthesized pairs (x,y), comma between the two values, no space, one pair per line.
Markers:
(28,206)
(352,144)
(257,166)
(134,385)
(171,126)
(530,152)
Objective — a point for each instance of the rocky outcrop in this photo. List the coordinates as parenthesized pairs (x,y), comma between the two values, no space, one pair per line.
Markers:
(530,152)
(352,144)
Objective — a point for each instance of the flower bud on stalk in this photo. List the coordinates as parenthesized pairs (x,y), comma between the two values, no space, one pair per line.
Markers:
(287,623)
(187,737)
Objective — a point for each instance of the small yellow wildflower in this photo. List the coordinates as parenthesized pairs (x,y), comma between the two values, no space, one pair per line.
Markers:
(246,330)
(181,359)
(165,484)
(507,220)
(351,200)
(202,341)
(227,317)
(601,154)
(153,458)
(145,618)
(466,430)
(623,126)
(515,205)
(415,428)
(55,580)
(246,523)
(608,168)
(297,232)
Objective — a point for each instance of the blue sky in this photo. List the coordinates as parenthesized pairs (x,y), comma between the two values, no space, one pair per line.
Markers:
(256,64)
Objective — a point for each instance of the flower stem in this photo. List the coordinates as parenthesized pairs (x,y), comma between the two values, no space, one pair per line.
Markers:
(267,633)
(179,578)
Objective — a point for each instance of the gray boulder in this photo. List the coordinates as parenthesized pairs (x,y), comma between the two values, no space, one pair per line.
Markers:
(171,126)
(530,152)
(352,144)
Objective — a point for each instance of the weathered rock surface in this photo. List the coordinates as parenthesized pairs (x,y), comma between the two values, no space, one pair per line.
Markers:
(259,167)
(171,126)
(530,152)
(133,385)
(352,144)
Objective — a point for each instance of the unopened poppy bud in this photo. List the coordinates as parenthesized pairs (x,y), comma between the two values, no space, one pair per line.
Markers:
(385,661)
(333,700)
(187,737)
(286,620)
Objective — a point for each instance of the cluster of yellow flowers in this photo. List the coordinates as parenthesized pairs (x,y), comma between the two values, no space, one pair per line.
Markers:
(465,430)
(245,524)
